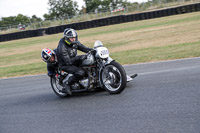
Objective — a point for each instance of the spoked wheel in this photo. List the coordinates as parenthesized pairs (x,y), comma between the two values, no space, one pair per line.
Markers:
(113,78)
(57,87)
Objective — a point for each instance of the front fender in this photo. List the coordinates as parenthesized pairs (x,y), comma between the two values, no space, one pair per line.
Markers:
(109,60)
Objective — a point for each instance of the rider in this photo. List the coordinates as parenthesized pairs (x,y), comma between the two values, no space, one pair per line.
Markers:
(49,56)
(68,59)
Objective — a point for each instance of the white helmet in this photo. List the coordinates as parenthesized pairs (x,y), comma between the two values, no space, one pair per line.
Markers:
(46,54)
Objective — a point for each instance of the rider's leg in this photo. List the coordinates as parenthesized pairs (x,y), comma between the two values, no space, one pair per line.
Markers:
(77,72)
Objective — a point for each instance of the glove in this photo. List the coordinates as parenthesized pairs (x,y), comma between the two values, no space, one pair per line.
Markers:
(76,42)
(93,51)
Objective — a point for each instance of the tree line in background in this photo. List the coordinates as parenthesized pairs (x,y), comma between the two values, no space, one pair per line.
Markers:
(68,8)
(63,9)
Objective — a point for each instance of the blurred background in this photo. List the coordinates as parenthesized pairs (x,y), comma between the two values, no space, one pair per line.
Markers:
(68,11)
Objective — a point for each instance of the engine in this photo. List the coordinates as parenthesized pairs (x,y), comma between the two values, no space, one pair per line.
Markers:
(88,82)
(91,78)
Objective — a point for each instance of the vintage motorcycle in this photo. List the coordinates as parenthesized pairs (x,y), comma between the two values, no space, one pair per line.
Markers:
(101,72)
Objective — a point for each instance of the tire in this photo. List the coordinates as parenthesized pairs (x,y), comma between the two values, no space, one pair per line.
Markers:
(57,87)
(113,78)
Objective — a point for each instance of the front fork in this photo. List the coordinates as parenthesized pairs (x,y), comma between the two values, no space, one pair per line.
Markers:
(101,65)
(108,61)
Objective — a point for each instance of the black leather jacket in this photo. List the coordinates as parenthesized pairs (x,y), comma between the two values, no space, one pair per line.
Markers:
(66,54)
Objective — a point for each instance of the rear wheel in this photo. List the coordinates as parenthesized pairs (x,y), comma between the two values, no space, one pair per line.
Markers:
(57,87)
(113,78)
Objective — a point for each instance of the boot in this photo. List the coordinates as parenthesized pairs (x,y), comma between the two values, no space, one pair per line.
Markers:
(67,89)
(67,82)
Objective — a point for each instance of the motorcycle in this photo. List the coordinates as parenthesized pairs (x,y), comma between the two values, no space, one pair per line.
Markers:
(101,72)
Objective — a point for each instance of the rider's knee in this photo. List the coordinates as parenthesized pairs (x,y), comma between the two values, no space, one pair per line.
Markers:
(80,73)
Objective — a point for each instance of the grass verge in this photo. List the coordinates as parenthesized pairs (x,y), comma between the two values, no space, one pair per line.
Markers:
(19,70)
(166,38)
(153,54)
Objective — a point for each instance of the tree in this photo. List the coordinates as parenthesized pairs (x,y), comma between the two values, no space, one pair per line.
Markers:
(22,19)
(62,8)
(14,20)
(34,18)
(92,5)
(47,16)
(114,4)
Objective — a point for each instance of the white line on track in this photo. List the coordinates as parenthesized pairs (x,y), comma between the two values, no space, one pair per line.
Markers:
(170,70)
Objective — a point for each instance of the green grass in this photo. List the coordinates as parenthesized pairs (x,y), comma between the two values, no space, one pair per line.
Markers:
(27,42)
(142,25)
(27,69)
(17,58)
(129,43)
(126,57)
(158,53)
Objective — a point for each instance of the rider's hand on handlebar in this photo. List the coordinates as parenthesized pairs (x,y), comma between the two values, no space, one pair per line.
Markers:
(93,51)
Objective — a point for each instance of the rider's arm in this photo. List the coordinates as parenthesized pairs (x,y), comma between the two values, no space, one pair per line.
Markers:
(83,48)
(67,59)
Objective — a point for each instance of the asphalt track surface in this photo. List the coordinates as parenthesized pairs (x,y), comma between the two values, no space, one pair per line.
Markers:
(164,98)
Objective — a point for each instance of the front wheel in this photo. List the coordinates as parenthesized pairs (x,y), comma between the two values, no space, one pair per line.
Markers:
(113,78)
(57,87)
